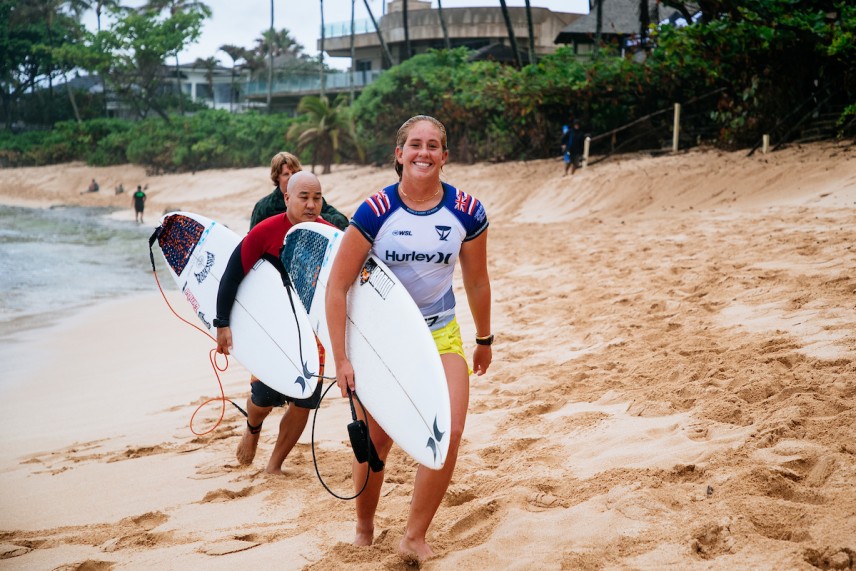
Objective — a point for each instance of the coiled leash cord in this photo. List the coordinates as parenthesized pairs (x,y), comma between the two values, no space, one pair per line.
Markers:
(361,444)
(212,355)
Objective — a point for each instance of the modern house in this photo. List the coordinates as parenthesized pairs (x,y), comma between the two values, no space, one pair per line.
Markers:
(218,87)
(476,28)
(481,28)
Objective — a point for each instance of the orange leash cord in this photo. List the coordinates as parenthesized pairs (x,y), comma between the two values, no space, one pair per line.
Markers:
(212,357)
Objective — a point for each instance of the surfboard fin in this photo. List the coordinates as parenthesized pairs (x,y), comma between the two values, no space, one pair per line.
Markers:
(433,446)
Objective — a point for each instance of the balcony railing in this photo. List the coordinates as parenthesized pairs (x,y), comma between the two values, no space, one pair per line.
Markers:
(311,85)
(340,29)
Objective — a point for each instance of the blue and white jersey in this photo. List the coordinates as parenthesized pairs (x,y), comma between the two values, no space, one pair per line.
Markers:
(421,248)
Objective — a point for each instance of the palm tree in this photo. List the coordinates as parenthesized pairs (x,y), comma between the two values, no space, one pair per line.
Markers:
(599,24)
(321,51)
(47,11)
(532,58)
(325,128)
(511,36)
(273,43)
(270,61)
(406,31)
(443,24)
(209,64)
(353,56)
(278,42)
(379,34)
(644,23)
(176,7)
(254,63)
(236,53)
(78,6)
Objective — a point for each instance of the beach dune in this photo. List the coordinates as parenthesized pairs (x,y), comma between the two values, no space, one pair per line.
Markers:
(674,385)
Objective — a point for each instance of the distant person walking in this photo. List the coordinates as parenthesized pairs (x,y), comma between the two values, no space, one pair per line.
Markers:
(139,201)
(572,148)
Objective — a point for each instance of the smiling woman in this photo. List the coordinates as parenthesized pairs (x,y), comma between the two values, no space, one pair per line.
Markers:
(421,232)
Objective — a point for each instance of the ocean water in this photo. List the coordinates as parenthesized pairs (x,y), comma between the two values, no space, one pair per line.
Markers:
(58,260)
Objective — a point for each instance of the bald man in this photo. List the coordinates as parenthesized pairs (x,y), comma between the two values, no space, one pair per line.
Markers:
(303,202)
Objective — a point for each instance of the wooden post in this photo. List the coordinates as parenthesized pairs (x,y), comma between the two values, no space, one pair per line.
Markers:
(586,146)
(676,128)
(765,146)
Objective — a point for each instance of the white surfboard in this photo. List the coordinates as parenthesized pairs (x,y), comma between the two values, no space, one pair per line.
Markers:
(399,374)
(274,342)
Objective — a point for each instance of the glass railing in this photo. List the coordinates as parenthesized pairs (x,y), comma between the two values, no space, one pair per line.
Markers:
(339,29)
(305,84)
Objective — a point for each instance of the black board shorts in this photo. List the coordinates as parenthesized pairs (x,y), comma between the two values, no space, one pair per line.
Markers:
(264,396)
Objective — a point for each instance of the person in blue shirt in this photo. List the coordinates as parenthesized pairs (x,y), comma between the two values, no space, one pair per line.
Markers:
(572,148)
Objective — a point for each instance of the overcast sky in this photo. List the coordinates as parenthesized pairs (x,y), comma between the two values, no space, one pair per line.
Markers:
(240,22)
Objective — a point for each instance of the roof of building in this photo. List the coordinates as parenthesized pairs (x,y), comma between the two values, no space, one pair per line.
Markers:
(620,17)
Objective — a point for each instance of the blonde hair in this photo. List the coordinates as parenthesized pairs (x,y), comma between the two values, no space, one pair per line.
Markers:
(404,131)
(283,159)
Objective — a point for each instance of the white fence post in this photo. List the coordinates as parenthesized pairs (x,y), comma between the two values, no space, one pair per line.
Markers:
(586,146)
(676,128)
(766,144)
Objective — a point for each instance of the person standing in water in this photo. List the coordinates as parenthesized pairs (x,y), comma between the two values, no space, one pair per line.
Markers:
(139,201)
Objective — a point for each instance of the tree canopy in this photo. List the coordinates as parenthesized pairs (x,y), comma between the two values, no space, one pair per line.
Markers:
(741,69)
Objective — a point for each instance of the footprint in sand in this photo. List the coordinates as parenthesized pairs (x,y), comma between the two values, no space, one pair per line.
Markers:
(459,494)
(224,495)
(141,452)
(88,565)
(712,539)
(227,547)
(540,501)
(475,527)
(133,531)
(830,558)
(10,550)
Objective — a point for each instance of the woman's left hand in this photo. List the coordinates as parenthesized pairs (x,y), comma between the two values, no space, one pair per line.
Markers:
(482,357)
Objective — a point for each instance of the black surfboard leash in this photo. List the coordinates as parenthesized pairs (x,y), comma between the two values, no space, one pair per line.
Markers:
(361,444)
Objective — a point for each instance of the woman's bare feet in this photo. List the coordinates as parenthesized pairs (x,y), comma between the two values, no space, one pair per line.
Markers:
(276,470)
(365,535)
(414,550)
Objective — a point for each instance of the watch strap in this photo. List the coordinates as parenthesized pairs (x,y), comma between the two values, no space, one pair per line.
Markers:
(484,340)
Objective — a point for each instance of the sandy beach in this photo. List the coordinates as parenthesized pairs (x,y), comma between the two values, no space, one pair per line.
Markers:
(673,386)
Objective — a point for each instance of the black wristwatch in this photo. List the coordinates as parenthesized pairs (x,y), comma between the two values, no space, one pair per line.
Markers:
(485,340)
(218,323)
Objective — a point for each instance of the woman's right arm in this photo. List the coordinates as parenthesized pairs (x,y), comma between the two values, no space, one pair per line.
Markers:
(347,265)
